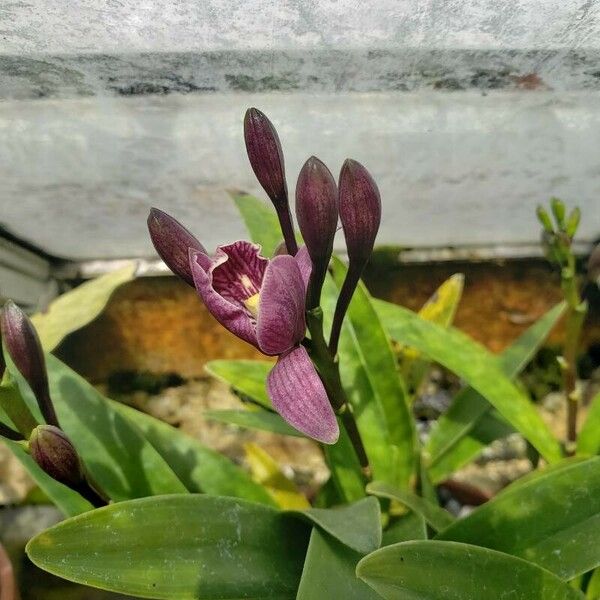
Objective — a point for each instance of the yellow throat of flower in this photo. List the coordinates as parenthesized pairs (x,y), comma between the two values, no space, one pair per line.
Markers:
(252,305)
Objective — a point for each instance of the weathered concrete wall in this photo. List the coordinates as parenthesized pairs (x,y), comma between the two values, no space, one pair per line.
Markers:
(468,113)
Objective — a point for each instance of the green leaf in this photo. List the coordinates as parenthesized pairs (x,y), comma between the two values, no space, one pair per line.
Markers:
(15,408)
(70,503)
(329,571)
(344,466)
(449,439)
(356,525)
(260,220)
(593,589)
(115,453)
(463,356)
(388,434)
(248,377)
(588,440)
(78,307)
(432,570)
(198,467)
(410,526)
(552,519)
(181,546)
(489,426)
(267,472)
(437,517)
(253,419)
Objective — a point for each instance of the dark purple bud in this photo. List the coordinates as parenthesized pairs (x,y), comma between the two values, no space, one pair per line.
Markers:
(266,156)
(23,345)
(317,213)
(172,241)
(55,454)
(360,210)
(317,208)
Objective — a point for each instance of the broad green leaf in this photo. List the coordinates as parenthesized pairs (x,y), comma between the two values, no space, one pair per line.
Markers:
(440,309)
(356,525)
(70,503)
(552,519)
(449,439)
(437,517)
(329,571)
(181,546)
(115,453)
(410,526)
(433,570)
(253,419)
(593,589)
(463,356)
(260,220)
(396,463)
(588,440)
(345,469)
(78,307)
(198,467)
(246,376)
(489,426)
(266,472)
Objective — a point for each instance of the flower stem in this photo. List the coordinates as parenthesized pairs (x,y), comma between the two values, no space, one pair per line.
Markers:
(575,317)
(287,228)
(328,369)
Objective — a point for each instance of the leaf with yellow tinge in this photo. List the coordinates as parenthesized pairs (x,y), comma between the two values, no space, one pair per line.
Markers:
(78,307)
(440,309)
(266,471)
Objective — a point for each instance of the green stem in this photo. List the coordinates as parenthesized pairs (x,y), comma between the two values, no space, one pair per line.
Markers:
(328,369)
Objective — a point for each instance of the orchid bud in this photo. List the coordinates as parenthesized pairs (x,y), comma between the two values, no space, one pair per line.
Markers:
(558,210)
(25,349)
(172,241)
(266,156)
(573,222)
(317,213)
(360,210)
(544,219)
(55,454)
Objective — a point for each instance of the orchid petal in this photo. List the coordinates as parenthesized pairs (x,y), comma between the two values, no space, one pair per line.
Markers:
(304,263)
(233,316)
(281,324)
(298,395)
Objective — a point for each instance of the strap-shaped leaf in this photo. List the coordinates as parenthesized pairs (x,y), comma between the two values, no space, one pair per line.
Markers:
(78,307)
(253,419)
(552,519)
(356,525)
(411,526)
(329,571)
(432,570)
(463,356)
(437,517)
(380,403)
(183,546)
(198,467)
(246,376)
(588,440)
(469,412)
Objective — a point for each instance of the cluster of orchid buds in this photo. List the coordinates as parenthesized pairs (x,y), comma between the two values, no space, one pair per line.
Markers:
(270,302)
(47,443)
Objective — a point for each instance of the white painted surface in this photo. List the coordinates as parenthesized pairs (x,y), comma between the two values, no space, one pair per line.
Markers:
(108,107)
(78,176)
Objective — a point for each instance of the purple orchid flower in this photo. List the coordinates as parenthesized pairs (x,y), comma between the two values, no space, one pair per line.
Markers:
(262,301)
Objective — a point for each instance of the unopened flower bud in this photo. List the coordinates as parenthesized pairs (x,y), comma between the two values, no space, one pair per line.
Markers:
(558,210)
(544,219)
(360,210)
(25,349)
(573,222)
(266,156)
(593,265)
(55,454)
(172,241)
(317,213)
